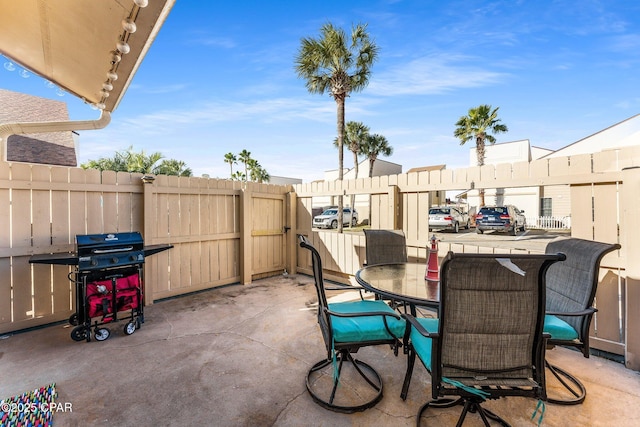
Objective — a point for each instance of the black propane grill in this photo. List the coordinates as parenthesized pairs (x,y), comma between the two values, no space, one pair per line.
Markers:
(105,251)
(109,281)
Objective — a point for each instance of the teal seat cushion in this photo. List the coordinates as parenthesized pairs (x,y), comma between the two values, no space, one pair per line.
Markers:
(364,328)
(422,344)
(559,329)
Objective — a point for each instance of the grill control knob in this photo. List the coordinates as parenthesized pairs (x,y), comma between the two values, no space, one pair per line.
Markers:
(132,258)
(114,260)
(94,262)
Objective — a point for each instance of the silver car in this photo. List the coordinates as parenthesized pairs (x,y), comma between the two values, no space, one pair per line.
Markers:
(448,218)
(329,218)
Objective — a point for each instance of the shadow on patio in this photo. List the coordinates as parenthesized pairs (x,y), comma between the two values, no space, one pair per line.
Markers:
(238,356)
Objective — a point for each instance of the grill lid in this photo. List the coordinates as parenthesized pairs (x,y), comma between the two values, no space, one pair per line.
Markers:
(89,244)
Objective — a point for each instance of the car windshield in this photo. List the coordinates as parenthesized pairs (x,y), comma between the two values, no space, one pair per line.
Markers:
(498,210)
(330,212)
(436,211)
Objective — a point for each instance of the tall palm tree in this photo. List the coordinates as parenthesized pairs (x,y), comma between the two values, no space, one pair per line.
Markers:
(231,159)
(245,157)
(338,65)
(477,125)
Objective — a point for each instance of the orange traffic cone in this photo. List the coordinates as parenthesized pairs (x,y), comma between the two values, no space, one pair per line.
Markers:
(432,261)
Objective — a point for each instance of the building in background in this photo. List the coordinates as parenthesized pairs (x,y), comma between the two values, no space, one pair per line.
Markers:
(51,148)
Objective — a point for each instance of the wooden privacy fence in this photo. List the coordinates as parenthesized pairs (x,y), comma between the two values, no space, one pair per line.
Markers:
(604,192)
(227,232)
(223,232)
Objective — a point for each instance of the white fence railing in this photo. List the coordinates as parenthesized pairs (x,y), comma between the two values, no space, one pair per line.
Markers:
(549,222)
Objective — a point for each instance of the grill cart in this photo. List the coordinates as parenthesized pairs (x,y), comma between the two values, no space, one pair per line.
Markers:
(109,281)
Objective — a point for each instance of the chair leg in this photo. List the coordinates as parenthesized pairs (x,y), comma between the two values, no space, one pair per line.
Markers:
(469,405)
(411,361)
(571,383)
(341,394)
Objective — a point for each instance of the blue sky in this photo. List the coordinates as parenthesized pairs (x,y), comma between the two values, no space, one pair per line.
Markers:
(220,78)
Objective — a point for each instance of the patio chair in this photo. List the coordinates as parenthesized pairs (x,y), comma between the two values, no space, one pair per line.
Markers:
(571,289)
(488,342)
(385,246)
(340,382)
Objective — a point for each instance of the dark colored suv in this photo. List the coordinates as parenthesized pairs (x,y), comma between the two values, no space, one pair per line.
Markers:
(508,219)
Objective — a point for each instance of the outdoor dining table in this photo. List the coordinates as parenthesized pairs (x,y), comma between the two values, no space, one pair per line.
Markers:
(401,282)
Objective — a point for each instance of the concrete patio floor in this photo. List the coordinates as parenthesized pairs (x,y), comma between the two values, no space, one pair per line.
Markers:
(238,356)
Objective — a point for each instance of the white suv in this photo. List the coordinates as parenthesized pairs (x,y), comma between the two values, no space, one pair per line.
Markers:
(329,218)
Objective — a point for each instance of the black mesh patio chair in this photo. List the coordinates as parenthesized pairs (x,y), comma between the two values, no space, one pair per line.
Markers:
(488,342)
(571,289)
(340,382)
(385,246)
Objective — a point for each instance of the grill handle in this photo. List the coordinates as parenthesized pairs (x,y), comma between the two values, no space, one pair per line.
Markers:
(108,251)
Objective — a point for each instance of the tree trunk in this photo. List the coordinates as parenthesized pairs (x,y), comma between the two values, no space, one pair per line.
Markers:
(340,100)
(480,152)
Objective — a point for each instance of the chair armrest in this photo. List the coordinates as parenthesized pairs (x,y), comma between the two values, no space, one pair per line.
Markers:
(412,322)
(585,312)
(364,314)
(343,288)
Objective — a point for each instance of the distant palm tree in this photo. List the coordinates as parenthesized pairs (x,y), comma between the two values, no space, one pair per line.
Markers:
(245,157)
(355,136)
(257,172)
(477,125)
(338,65)
(132,162)
(376,145)
(172,167)
(232,160)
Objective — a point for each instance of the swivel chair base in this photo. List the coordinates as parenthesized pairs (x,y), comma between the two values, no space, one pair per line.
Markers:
(357,386)
(571,383)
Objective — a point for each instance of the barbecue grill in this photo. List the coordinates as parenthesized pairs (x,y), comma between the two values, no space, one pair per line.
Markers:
(109,281)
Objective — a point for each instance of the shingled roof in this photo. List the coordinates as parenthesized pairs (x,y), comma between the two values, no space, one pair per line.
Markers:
(51,148)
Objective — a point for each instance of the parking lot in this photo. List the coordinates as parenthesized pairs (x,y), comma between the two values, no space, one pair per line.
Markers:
(532,240)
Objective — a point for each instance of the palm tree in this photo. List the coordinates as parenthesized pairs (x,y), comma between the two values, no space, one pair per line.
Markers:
(355,136)
(334,64)
(132,162)
(245,157)
(231,159)
(172,167)
(477,125)
(376,145)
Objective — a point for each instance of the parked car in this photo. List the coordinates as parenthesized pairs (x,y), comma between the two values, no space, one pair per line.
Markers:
(329,218)
(508,219)
(448,218)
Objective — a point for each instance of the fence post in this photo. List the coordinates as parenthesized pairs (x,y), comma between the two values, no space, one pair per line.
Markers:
(394,208)
(631,247)
(246,200)
(291,234)
(149,225)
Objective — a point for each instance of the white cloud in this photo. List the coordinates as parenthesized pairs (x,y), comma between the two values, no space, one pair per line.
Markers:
(433,75)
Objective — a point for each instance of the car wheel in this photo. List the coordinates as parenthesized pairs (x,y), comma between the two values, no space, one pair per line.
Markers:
(468,226)
(354,222)
(479,231)
(514,230)
(334,224)
(456,228)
